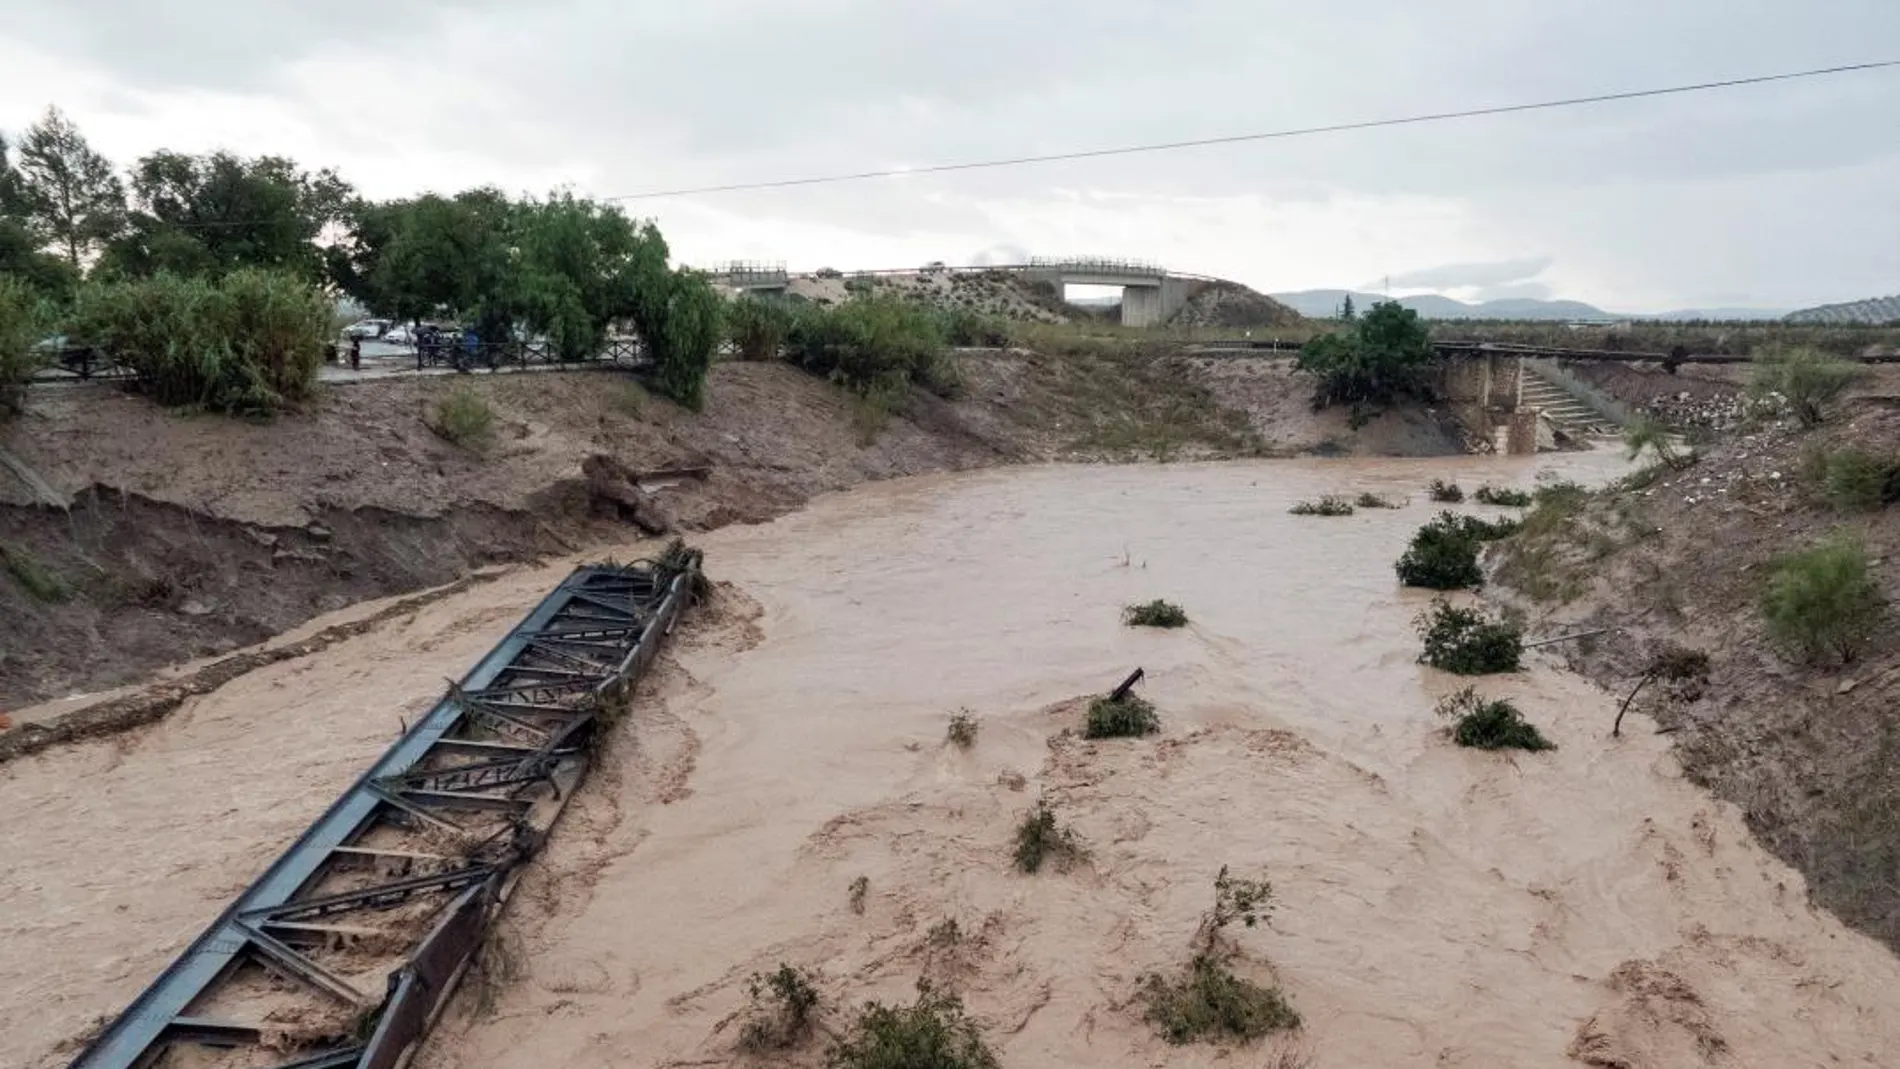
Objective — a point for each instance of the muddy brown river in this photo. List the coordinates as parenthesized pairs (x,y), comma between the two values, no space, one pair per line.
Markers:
(1433,906)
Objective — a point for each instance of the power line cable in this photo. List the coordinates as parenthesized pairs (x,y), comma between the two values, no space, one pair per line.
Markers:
(1232,139)
(1171,146)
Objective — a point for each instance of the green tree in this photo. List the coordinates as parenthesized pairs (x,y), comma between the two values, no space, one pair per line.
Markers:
(1378,358)
(68,194)
(686,336)
(202,215)
(1346,312)
(21,258)
(434,255)
(581,266)
(22,316)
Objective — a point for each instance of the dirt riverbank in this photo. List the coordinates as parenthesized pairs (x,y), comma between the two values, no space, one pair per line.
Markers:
(191,536)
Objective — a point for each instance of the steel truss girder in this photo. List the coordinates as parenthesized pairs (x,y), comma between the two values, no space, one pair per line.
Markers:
(537,697)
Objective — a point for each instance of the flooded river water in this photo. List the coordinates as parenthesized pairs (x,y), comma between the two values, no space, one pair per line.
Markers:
(1433,906)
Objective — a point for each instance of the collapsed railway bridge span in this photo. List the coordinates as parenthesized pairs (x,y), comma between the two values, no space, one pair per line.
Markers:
(345,950)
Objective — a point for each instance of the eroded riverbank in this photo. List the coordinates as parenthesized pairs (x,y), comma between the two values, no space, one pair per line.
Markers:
(1436,907)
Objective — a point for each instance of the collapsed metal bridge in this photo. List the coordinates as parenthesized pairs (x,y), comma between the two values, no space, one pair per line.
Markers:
(345,951)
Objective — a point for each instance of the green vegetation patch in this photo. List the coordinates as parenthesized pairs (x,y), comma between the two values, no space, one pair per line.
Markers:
(1853,480)
(1040,838)
(781,1014)
(465,418)
(1490,724)
(1208,1003)
(40,582)
(1467,642)
(1370,500)
(1443,554)
(1127,717)
(1156,613)
(931,1033)
(1325,506)
(1807,381)
(1823,601)
(1446,493)
(1492,495)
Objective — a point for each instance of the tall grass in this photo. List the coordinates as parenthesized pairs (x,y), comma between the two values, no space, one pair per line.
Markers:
(1807,380)
(249,343)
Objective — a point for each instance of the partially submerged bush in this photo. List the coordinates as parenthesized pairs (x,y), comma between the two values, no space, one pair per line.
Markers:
(1156,613)
(1823,601)
(1493,724)
(931,1033)
(464,418)
(1325,506)
(963,727)
(1449,493)
(1129,716)
(1041,838)
(859,888)
(41,583)
(1208,1002)
(780,1016)
(1370,500)
(1805,379)
(1467,642)
(1492,495)
(1444,554)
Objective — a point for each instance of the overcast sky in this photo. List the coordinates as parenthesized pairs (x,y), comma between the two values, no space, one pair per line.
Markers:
(1783,195)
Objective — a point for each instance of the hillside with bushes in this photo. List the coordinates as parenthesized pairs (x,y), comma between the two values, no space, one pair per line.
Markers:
(1793,720)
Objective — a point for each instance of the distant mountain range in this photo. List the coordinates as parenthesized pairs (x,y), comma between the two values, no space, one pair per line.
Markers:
(1325,303)
(1876,310)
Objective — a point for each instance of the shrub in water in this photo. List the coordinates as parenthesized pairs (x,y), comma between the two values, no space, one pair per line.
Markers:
(1491,495)
(1156,613)
(1125,717)
(1450,493)
(1467,642)
(1371,500)
(1210,1003)
(1823,601)
(1490,725)
(962,731)
(1040,838)
(931,1033)
(1443,556)
(1325,506)
(781,1012)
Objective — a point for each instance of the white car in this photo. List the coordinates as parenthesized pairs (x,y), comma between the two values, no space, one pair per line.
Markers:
(367,328)
(398,336)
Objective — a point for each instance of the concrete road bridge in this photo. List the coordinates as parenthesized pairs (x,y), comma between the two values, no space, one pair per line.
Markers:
(1151,294)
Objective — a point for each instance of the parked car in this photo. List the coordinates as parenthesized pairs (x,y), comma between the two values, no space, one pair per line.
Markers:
(367,328)
(398,336)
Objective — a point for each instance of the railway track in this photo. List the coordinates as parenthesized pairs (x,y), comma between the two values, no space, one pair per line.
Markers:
(343,953)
